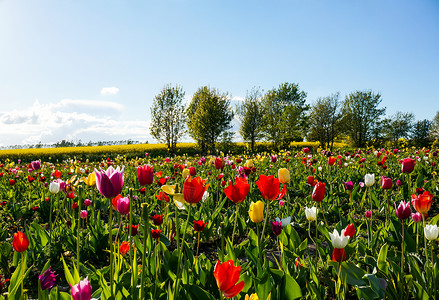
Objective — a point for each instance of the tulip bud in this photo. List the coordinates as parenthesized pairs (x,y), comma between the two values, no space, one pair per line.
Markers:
(256,211)
(349,186)
(386,183)
(417,217)
(369,179)
(54,187)
(368,214)
(284,175)
(431,232)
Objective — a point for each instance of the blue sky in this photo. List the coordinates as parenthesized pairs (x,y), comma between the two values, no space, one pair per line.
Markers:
(89,70)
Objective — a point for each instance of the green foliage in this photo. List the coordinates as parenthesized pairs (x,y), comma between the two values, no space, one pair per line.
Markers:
(325,121)
(284,116)
(167,116)
(361,116)
(420,132)
(250,114)
(209,116)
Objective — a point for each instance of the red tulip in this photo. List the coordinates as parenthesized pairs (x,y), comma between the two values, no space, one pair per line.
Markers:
(407,165)
(157,220)
(319,192)
(386,183)
(350,230)
(11,182)
(339,255)
(238,191)
(20,242)
(422,203)
(311,181)
(163,197)
(199,225)
(218,163)
(145,175)
(269,186)
(331,161)
(227,276)
(155,233)
(193,189)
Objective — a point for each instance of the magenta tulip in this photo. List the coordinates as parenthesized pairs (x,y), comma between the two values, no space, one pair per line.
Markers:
(109,182)
(82,290)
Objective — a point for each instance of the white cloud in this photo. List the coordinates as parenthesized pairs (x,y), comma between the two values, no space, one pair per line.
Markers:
(70,119)
(109,90)
(236,98)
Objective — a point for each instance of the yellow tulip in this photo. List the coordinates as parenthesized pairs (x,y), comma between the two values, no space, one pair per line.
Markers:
(90,180)
(251,297)
(185,173)
(168,189)
(256,211)
(284,175)
(249,163)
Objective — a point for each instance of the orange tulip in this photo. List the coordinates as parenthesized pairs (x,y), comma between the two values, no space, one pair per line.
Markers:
(124,248)
(193,189)
(422,202)
(20,242)
(227,275)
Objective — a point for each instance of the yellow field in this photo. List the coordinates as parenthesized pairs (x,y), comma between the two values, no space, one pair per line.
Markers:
(129,150)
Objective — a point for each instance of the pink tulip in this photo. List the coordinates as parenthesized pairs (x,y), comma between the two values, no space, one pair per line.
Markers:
(109,182)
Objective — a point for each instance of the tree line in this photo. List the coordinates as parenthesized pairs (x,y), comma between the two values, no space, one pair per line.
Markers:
(281,116)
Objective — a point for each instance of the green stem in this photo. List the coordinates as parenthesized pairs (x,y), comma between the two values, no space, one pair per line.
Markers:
(78,236)
(236,221)
(402,251)
(22,274)
(130,237)
(145,237)
(425,239)
(323,213)
(110,237)
(265,221)
(184,235)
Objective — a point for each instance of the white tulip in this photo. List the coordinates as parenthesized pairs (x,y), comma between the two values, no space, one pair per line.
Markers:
(311,213)
(285,222)
(369,179)
(54,187)
(339,240)
(431,232)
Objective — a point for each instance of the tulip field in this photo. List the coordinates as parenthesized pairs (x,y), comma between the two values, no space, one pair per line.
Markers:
(298,224)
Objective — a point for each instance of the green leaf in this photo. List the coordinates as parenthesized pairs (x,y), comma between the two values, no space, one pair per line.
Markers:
(264,287)
(197,293)
(290,289)
(67,273)
(352,273)
(382,260)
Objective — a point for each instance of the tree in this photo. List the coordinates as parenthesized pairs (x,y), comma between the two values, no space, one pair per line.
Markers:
(434,131)
(209,117)
(361,116)
(168,117)
(250,114)
(398,126)
(420,132)
(284,116)
(325,120)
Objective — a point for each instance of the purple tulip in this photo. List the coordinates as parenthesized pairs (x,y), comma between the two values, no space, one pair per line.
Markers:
(123,205)
(349,186)
(82,290)
(273,158)
(403,210)
(47,279)
(109,182)
(36,164)
(277,227)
